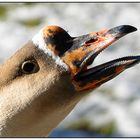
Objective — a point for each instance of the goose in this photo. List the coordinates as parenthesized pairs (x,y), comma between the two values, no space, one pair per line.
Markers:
(45,79)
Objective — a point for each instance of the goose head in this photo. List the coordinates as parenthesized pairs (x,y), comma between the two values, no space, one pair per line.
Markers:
(43,81)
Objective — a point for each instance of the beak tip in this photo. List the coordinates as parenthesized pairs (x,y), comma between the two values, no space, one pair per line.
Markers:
(133,61)
(121,30)
(138,57)
(127,29)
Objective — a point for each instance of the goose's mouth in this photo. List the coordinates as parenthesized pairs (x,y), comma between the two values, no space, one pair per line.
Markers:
(85,49)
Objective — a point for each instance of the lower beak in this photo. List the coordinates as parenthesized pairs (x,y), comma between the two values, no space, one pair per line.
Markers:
(94,77)
(86,48)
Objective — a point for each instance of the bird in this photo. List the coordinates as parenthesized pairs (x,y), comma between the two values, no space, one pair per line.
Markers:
(45,79)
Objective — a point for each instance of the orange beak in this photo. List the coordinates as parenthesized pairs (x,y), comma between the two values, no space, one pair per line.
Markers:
(84,49)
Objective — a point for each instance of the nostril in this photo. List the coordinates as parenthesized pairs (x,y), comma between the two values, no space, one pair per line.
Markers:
(91,41)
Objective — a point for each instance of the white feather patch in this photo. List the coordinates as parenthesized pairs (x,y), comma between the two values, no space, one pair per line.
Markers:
(38,41)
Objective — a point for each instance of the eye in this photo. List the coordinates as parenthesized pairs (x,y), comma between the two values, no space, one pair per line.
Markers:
(29,67)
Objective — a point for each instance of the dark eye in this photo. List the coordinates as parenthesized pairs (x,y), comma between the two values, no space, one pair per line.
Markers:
(29,67)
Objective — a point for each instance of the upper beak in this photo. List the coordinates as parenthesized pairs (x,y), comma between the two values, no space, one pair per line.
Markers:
(84,50)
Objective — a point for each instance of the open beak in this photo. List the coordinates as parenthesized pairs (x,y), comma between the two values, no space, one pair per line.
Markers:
(85,49)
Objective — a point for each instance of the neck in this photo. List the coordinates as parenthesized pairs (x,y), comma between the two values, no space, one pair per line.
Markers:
(33,114)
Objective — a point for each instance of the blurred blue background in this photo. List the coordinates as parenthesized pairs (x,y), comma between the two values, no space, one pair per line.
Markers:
(113,110)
